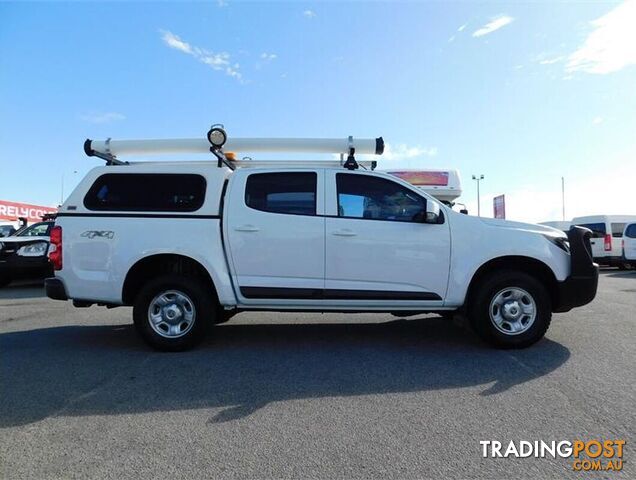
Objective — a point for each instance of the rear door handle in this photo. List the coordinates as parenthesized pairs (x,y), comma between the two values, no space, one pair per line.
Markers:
(246,228)
(345,232)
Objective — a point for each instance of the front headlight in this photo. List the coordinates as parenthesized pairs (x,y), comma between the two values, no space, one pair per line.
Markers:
(33,249)
(562,242)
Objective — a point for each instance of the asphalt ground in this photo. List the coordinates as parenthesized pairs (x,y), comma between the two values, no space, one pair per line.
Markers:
(308,395)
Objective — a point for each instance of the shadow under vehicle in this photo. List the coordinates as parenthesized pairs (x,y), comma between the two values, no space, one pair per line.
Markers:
(104,370)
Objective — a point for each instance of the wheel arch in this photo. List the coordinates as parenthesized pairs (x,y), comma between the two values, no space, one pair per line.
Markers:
(536,268)
(159,264)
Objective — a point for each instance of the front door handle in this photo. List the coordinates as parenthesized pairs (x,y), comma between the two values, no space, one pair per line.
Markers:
(345,232)
(247,228)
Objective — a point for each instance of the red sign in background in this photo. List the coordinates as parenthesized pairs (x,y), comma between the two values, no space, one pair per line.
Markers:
(14,210)
(422,177)
(499,205)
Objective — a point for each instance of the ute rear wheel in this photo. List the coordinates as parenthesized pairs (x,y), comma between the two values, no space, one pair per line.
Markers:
(510,310)
(173,312)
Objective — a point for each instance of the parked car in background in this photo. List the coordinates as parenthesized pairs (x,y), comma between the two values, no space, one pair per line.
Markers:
(24,254)
(629,244)
(607,234)
(7,230)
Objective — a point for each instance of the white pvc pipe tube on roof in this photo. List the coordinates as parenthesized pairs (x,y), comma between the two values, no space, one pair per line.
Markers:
(201,145)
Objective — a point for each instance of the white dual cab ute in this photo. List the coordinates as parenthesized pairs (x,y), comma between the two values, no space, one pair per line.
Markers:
(188,244)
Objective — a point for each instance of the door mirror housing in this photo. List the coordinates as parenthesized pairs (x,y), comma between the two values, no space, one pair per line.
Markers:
(432,212)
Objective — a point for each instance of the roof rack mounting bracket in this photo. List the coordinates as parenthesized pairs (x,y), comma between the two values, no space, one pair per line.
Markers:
(221,158)
(107,156)
(351,163)
(110,159)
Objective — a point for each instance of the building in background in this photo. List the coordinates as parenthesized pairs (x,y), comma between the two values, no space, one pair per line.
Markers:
(12,212)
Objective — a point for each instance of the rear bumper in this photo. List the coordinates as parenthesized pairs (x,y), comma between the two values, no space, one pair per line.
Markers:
(55,289)
(580,287)
(614,261)
(625,260)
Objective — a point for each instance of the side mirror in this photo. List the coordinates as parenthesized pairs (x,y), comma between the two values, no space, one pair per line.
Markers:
(464,211)
(432,212)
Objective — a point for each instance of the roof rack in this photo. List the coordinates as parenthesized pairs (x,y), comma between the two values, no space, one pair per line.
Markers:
(217,142)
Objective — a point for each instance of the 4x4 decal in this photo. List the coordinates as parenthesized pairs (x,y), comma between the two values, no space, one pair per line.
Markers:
(98,233)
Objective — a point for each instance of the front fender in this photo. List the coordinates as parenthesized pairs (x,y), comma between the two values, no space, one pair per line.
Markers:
(475,243)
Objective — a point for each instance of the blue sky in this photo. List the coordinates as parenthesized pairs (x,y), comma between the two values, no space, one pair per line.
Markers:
(523,93)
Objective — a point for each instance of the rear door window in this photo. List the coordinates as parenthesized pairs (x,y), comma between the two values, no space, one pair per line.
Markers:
(293,193)
(598,229)
(617,229)
(146,192)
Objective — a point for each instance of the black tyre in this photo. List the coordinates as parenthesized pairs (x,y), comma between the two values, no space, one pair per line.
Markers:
(510,309)
(173,312)
(4,281)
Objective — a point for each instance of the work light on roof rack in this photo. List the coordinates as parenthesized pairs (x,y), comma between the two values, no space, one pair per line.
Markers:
(217,136)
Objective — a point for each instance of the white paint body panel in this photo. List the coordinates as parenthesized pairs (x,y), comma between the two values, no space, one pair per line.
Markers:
(558,224)
(476,241)
(272,249)
(384,255)
(293,251)
(95,268)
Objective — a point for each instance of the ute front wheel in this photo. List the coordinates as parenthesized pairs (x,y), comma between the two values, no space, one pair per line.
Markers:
(173,313)
(510,310)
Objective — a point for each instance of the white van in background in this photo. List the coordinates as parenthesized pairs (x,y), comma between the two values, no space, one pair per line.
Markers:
(607,234)
(629,244)
(558,224)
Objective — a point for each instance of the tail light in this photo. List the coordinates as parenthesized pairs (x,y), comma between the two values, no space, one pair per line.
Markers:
(608,242)
(55,251)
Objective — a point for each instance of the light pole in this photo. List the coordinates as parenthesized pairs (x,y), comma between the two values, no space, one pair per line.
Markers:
(478,178)
(563,196)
